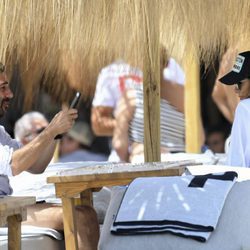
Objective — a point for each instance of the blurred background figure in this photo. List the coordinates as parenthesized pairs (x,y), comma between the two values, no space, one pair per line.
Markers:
(128,139)
(75,145)
(225,96)
(29,126)
(215,139)
(112,80)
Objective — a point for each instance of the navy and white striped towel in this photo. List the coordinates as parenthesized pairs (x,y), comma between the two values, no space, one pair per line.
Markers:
(188,206)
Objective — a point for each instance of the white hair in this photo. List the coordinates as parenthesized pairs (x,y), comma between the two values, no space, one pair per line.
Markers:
(23,125)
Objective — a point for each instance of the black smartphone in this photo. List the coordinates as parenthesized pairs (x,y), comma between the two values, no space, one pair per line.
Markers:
(72,106)
(75,100)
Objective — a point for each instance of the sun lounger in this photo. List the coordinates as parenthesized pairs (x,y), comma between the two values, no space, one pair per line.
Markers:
(35,238)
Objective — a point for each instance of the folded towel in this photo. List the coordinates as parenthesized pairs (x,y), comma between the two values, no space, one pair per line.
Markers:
(188,206)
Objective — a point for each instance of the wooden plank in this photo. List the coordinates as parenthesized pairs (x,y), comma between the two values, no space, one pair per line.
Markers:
(3,205)
(71,189)
(83,180)
(14,232)
(151,81)
(12,212)
(192,106)
(76,185)
(12,202)
(86,198)
(69,223)
(9,212)
(119,171)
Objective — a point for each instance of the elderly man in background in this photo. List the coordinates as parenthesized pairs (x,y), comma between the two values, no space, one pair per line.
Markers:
(29,126)
(34,157)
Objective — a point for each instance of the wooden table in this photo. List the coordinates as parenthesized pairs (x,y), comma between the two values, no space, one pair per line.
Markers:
(13,212)
(69,184)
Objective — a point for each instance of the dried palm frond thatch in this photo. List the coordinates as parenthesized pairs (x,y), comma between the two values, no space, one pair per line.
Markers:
(65,43)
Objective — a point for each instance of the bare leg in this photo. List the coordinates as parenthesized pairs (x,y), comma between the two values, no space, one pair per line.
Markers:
(87,227)
(50,215)
(45,215)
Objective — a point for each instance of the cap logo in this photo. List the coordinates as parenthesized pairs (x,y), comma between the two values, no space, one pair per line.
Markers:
(238,64)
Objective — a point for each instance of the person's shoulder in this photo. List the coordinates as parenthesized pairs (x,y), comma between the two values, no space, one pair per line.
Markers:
(107,75)
(5,139)
(2,128)
(243,107)
(245,103)
(3,132)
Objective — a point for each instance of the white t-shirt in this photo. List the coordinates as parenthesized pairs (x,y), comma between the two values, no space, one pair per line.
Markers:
(173,72)
(108,89)
(239,148)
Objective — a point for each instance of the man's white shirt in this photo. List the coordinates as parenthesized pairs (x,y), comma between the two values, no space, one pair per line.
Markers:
(7,146)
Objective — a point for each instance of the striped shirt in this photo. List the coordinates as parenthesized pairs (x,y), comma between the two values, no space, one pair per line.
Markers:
(172,125)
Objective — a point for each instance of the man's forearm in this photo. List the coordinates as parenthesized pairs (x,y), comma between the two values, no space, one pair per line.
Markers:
(44,159)
(35,156)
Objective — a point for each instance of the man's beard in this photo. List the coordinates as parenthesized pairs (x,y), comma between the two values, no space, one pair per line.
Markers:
(2,110)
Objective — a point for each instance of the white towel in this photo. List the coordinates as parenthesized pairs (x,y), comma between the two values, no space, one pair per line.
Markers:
(188,206)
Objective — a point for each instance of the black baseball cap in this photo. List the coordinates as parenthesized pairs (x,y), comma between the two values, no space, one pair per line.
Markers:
(240,71)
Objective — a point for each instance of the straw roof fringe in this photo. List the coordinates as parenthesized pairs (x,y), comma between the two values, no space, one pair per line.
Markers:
(65,43)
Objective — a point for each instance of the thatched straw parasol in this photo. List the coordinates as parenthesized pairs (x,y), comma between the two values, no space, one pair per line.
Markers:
(63,44)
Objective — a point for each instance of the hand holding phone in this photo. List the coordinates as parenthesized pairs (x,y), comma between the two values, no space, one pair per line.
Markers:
(72,106)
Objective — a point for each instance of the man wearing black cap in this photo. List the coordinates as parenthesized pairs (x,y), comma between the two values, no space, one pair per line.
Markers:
(239,149)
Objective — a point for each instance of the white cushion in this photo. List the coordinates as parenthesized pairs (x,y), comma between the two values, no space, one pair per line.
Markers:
(38,238)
